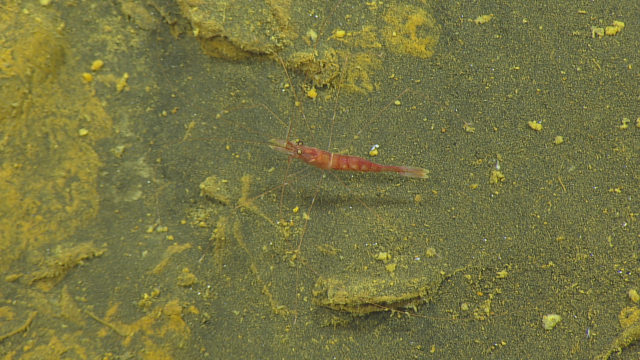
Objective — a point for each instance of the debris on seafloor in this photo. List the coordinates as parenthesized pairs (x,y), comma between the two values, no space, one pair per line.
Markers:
(366,295)
(55,268)
(496,177)
(22,328)
(628,317)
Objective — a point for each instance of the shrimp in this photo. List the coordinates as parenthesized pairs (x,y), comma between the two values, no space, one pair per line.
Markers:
(330,161)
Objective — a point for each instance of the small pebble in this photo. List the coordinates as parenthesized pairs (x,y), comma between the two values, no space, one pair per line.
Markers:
(535,126)
(391,267)
(312,94)
(550,321)
(97,65)
(122,83)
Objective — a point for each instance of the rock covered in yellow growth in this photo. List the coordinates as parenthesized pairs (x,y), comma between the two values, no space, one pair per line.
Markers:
(46,195)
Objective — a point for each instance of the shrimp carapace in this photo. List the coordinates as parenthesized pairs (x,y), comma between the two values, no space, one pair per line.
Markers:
(330,161)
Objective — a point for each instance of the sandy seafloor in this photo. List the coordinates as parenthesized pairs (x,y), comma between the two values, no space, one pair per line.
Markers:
(144,216)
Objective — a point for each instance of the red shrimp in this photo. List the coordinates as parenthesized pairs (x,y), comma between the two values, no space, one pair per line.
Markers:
(330,161)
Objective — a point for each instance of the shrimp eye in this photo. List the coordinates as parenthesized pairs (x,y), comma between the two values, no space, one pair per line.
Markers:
(300,143)
(299,152)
